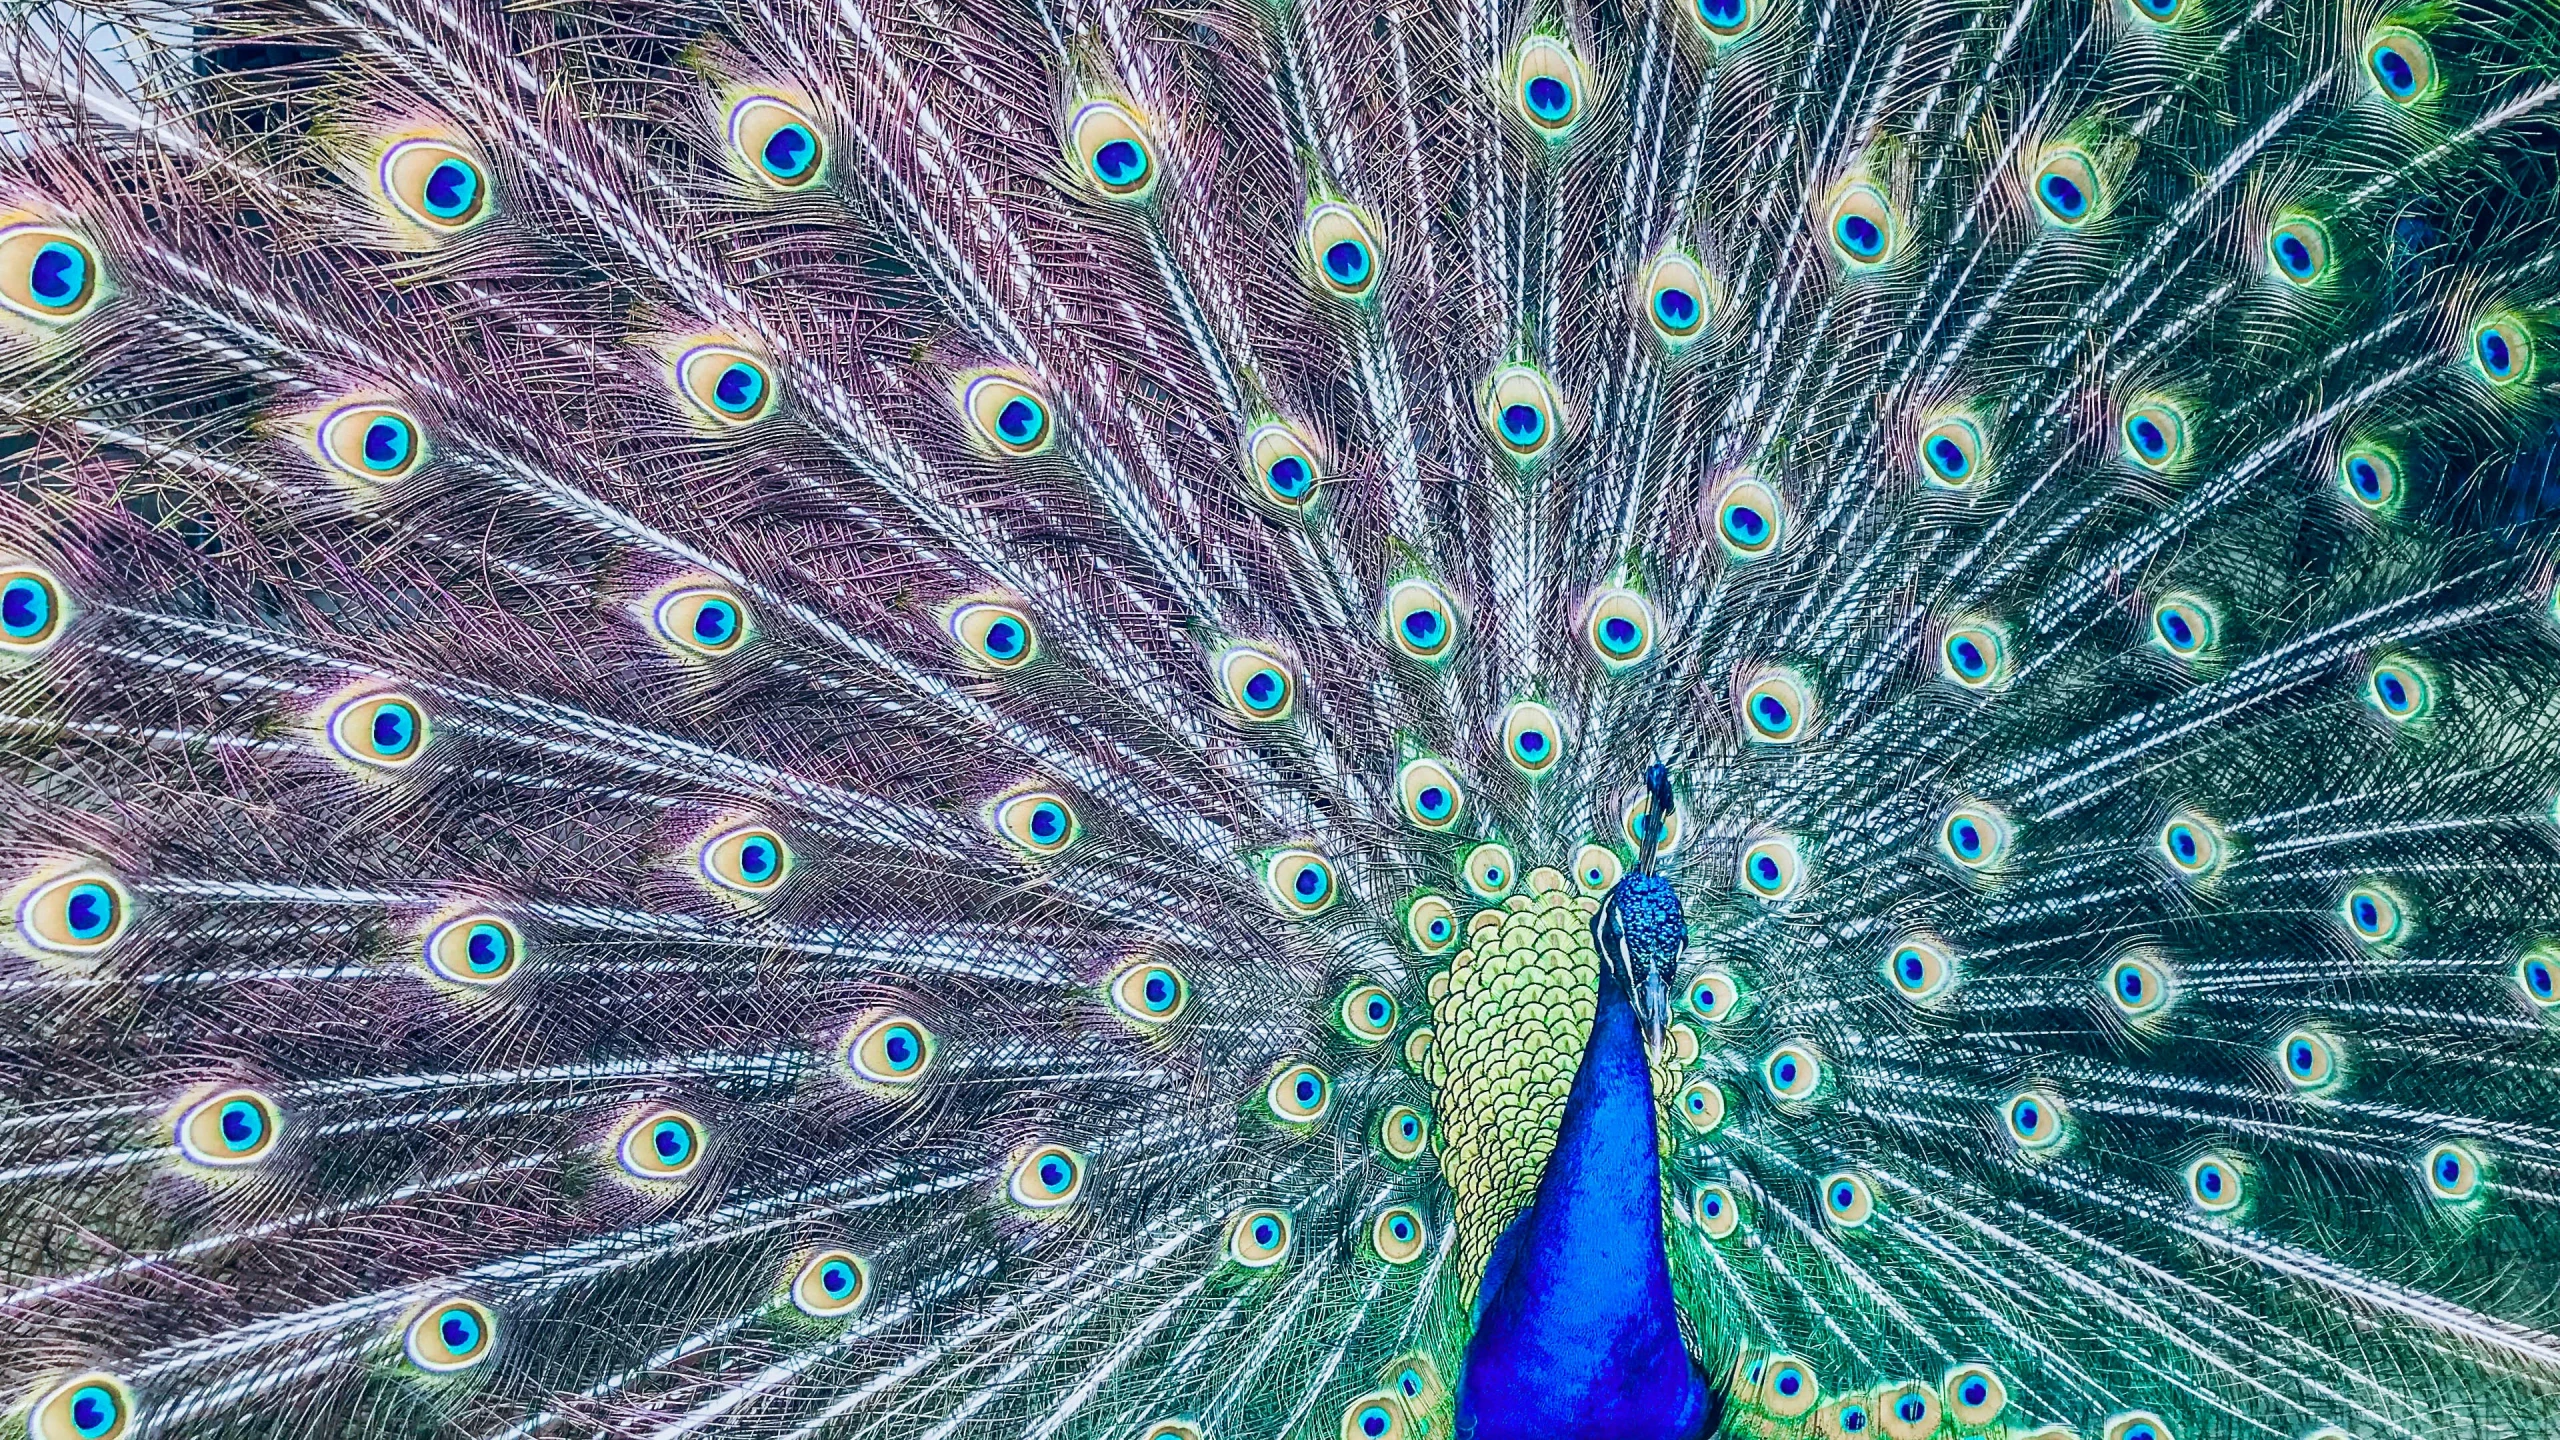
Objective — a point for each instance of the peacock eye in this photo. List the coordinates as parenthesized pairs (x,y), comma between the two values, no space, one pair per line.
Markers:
(2034,1120)
(1919,969)
(2066,188)
(1150,992)
(450,1335)
(1700,1106)
(2191,844)
(1792,1072)
(2401,66)
(2136,1425)
(2502,350)
(1975,1394)
(992,636)
(1490,871)
(2400,690)
(1847,1200)
(372,443)
(1368,1013)
(1861,224)
(1173,1430)
(2158,12)
(46,274)
(1597,869)
(2309,1059)
(2214,1184)
(1636,820)
(1910,1410)
(2139,987)
(1420,620)
(1619,627)
(1777,709)
(894,1050)
(435,184)
(1520,408)
(778,141)
(1952,453)
(1714,996)
(1716,1212)
(1772,868)
(1298,1094)
(1259,1239)
(2184,626)
(1749,520)
(31,611)
(1431,922)
(1046,1177)
(1676,301)
(1548,84)
(228,1130)
(830,1283)
(701,620)
(95,1406)
(474,950)
(2452,1171)
(1118,158)
(724,384)
(1403,1132)
(1007,416)
(1302,881)
(750,860)
(1531,738)
(1282,465)
(1377,1416)
(1345,254)
(75,914)
(1975,656)
(660,1145)
(1039,823)
(1975,837)
(1430,794)
(2370,476)
(2298,250)
(1791,1388)
(1398,1235)
(386,731)
(1726,21)
(1256,682)
(2155,435)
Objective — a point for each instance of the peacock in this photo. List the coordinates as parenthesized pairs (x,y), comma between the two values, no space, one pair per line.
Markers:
(1280,719)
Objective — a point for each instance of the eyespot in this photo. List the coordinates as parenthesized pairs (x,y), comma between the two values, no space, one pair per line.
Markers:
(1521,411)
(1861,225)
(1749,519)
(1398,1235)
(1975,656)
(450,1335)
(778,140)
(2191,843)
(1256,683)
(2452,1171)
(1403,1132)
(750,860)
(372,443)
(1975,837)
(1414,1377)
(1259,1239)
(1771,868)
(1430,793)
(1007,415)
(1150,992)
(1715,1209)
(2372,914)
(660,1145)
(830,1283)
(1118,158)
(1490,872)
(2402,67)
(76,914)
(1700,1105)
(1619,627)
(1039,823)
(1919,969)
(2066,188)
(1046,1177)
(1714,996)
(435,184)
(1596,870)
(1547,83)
(2034,1120)
(1302,881)
(1378,1416)
(1847,1420)
(2137,1425)
(1726,21)
(1342,250)
(1531,738)
(1975,1394)
(725,384)
(1637,819)
(1368,1013)
(701,620)
(31,611)
(992,636)
(2183,625)
(1431,922)
(2158,12)
(1952,452)
(1790,1388)
(1792,1072)
(2139,987)
(2155,435)
(2501,350)
(1420,620)
(228,1130)
(1910,1411)
(2370,476)
(1777,709)
(95,1406)
(1174,1430)
(46,274)
(1847,1200)
(1299,1094)
(1676,301)
(385,730)
(2215,1184)
(2298,250)
(2308,1059)
(1417,1047)
(1282,465)
(475,950)
(891,1050)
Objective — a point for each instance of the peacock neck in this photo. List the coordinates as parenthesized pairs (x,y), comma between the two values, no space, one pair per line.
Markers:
(1577,1337)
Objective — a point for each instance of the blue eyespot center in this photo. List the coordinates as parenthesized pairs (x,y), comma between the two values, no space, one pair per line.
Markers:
(2495,355)
(2294,255)
(2029,1117)
(2367,477)
(460,1333)
(1347,261)
(1913,1409)
(93,1410)
(386,443)
(1766,870)
(836,1278)
(1434,802)
(2300,1058)
(756,859)
(1308,1090)
(1020,421)
(1523,424)
(1842,1197)
(1948,458)
(26,608)
(2148,437)
(2449,1169)
(1863,236)
(485,949)
(1852,1419)
(451,188)
(2067,199)
(2130,982)
(1721,14)
(789,151)
(1533,744)
(242,1126)
(1375,1422)
(2538,976)
(1549,98)
(1676,308)
(1004,640)
(739,389)
(1048,822)
(1423,627)
(670,1141)
(1290,477)
(1120,162)
(715,622)
(1974,1392)
(1619,634)
(2394,71)
(1772,712)
(1054,1173)
(1745,524)
(1790,1381)
(394,725)
(59,278)
(89,910)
